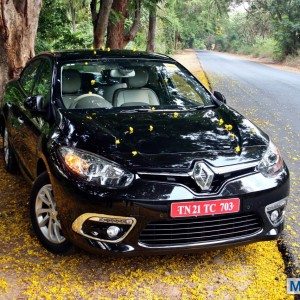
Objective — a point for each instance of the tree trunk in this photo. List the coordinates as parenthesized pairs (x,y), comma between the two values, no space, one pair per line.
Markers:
(115,29)
(130,36)
(152,29)
(101,22)
(117,38)
(18,27)
(73,16)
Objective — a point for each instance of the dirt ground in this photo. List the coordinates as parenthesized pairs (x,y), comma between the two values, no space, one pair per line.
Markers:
(27,271)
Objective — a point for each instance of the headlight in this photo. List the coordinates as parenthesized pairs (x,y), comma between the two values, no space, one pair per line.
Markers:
(96,169)
(271,162)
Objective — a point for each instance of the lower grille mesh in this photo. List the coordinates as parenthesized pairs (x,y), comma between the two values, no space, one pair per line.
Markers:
(199,230)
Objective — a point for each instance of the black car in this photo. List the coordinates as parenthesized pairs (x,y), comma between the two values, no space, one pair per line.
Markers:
(129,153)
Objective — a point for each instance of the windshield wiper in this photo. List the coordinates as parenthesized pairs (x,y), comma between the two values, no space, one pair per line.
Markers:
(200,107)
(130,111)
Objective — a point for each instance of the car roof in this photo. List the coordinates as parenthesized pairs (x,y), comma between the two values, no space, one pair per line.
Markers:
(98,54)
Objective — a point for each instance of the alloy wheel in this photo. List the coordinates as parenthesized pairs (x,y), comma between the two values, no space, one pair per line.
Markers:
(47,215)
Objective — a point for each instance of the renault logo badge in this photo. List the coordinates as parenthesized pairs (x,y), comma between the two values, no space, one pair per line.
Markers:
(203,175)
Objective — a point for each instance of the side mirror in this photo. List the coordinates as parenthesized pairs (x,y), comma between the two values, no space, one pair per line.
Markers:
(35,105)
(220,96)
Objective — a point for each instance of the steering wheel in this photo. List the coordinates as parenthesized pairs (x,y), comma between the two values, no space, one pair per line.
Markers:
(90,101)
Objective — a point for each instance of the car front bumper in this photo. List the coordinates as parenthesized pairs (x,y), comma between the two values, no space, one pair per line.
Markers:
(146,205)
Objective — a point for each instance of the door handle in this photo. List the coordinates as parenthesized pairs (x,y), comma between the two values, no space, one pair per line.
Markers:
(21,121)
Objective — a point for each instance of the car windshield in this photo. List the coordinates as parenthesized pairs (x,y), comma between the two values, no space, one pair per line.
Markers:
(130,84)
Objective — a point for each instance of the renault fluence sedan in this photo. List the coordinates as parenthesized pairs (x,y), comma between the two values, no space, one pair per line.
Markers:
(128,153)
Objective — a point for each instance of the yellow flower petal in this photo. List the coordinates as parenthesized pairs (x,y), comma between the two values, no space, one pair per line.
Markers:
(117,142)
(151,128)
(134,153)
(232,136)
(152,108)
(95,52)
(108,49)
(237,149)
(221,122)
(176,114)
(228,127)
(131,130)
(93,82)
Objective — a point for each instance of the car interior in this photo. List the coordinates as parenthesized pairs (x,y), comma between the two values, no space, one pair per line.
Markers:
(110,88)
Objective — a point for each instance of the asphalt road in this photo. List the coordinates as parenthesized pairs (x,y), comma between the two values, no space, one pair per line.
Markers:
(270,98)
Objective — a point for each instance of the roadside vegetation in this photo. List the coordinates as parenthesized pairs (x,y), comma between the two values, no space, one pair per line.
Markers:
(262,28)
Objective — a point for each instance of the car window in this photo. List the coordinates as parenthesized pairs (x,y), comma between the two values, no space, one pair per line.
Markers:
(42,86)
(114,83)
(181,85)
(28,76)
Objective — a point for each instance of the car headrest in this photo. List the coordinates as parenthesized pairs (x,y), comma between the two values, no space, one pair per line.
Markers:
(122,73)
(139,80)
(71,81)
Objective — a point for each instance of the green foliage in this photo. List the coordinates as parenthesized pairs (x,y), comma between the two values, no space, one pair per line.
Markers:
(55,28)
(269,28)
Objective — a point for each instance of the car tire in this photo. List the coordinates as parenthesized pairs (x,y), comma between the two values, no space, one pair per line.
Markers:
(44,217)
(10,161)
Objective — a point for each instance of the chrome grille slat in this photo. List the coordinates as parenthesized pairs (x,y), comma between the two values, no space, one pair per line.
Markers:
(203,229)
(208,236)
(203,221)
(200,233)
(197,228)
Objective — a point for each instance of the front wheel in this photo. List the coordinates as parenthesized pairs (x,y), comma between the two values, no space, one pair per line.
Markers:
(45,218)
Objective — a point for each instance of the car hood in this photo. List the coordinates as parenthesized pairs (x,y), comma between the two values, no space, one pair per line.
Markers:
(164,139)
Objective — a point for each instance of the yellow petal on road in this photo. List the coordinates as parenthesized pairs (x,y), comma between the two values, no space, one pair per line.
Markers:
(134,153)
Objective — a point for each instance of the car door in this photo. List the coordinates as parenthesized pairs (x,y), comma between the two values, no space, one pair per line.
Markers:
(19,91)
(33,125)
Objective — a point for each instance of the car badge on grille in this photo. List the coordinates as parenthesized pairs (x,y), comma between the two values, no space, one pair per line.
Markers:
(203,175)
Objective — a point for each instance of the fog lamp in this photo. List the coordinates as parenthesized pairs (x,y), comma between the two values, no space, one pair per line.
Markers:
(113,231)
(275,212)
(274,215)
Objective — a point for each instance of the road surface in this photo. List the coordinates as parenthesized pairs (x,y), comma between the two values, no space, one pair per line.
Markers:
(270,97)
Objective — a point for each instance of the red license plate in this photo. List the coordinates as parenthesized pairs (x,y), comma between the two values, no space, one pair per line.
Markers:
(205,208)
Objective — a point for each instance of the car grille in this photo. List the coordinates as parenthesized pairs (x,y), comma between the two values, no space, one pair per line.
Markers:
(191,183)
(199,230)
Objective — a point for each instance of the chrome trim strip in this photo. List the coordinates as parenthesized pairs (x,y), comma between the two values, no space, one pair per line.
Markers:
(166,174)
(77,225)
(216,170)
(202,243)
(229,169)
